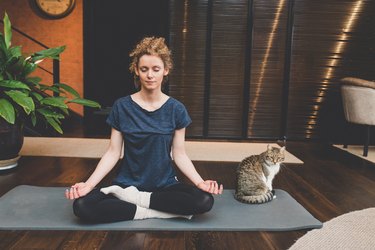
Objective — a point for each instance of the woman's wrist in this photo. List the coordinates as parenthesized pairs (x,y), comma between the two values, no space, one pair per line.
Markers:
(89,185)
(199,182)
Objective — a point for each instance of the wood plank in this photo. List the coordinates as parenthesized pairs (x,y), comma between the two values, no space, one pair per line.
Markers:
(165,240)
(40,240)
(124,240)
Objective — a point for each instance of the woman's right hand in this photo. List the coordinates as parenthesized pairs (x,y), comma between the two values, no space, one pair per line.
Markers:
(211,187)
(78,190)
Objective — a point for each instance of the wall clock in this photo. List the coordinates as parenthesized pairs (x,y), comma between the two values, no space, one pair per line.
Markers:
(55,8)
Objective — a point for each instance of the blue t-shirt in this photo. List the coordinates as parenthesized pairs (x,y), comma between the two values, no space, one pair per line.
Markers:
(147,162)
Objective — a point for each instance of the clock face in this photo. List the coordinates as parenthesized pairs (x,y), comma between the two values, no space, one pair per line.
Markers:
(55,8)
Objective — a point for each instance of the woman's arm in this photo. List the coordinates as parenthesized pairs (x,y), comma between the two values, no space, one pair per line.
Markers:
(105,165)
(186,166)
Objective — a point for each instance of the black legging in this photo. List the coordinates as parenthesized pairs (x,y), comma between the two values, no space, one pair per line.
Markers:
(180,199)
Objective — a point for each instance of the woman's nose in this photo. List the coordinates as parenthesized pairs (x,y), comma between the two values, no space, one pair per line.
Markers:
(150,74)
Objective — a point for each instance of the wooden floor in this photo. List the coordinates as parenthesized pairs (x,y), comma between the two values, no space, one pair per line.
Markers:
(330,183)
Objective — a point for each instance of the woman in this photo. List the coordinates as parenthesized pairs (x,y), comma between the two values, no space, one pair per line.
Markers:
(150,126)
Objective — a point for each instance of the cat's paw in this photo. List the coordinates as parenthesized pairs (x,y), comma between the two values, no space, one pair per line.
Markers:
(274,194)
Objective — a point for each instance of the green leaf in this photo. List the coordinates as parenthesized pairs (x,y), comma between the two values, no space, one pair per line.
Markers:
(85,102)
(7,31)
(28,68)
(52,53)
(54,124)
(10,62)
(15,51)
(65,111)
(33,118)
(3,46)
(9,76)
(12,56)
(12,84)
(34,80)
(22,99)
(68,89)
(50,113)
(37,96)
(9,57)
(52,88)
(7,111)
(54,102)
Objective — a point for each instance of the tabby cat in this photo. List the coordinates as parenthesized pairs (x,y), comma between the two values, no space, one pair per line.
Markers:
(255,174)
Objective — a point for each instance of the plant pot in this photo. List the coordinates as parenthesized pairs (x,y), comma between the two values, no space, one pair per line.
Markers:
(11,141)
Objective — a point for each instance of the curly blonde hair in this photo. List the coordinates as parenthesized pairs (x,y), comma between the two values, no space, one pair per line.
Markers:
(154,46)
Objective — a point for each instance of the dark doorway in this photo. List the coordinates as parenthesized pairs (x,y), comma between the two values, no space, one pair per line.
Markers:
(111,30)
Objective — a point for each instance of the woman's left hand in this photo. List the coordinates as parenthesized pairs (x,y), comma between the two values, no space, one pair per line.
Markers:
(211,187)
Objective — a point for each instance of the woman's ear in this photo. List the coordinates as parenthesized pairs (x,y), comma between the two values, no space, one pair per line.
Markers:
(166,72)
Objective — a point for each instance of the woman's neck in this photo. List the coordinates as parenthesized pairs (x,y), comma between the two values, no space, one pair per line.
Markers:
(151,96)
(150,100)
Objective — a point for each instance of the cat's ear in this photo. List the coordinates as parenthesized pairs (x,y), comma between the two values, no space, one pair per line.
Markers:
(269,147)
(282,149)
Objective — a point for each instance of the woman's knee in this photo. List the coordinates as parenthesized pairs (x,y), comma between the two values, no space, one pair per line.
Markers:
(204,203)
(83,210)
(79,207)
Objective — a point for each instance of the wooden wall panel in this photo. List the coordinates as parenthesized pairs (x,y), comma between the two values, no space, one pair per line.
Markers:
(325,41)
(227,67)
(188,28)
(267,68)
(298,52)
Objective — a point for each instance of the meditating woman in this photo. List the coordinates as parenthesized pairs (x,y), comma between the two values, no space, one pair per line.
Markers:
(150,126)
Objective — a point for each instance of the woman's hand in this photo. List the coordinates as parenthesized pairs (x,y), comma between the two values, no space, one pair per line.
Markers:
(211,187)
(78,190)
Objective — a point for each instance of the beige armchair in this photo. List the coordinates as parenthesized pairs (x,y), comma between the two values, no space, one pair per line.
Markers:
(358,98)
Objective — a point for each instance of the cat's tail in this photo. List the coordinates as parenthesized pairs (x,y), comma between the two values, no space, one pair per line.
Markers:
(256,199)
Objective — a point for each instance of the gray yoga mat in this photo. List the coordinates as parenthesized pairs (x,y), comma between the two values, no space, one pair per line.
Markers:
(45,208)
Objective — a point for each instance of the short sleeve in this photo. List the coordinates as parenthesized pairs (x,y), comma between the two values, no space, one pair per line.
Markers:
(113,118)
(183,119)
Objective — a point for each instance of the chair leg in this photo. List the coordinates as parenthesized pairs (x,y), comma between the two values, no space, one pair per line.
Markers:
(367,141)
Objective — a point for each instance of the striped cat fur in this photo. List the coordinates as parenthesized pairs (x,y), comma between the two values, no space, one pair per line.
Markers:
(254,176)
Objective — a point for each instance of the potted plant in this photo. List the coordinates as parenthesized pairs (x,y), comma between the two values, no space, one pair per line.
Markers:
(25,99)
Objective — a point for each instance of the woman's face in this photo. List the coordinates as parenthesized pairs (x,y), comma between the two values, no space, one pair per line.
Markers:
(151,72)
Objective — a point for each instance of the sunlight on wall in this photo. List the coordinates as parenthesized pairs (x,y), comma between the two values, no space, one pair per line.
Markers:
(270,42)
(332,63)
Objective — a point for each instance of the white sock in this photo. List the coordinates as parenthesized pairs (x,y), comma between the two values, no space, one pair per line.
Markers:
(130,194)
(148,213)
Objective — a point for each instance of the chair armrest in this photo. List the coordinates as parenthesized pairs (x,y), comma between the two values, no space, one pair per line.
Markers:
(358,82)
